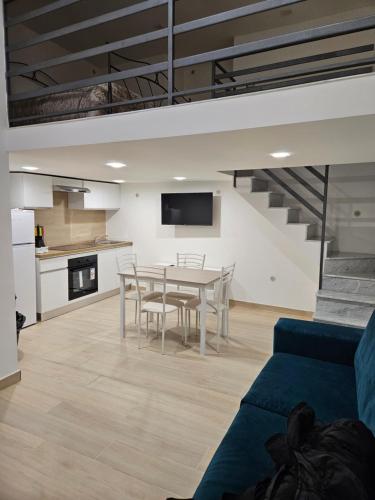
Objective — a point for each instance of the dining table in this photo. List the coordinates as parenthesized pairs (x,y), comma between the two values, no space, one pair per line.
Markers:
(199,279)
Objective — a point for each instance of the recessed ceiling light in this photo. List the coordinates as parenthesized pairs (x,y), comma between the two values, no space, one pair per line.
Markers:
(119,181)
(30,168)
(179,178)
(281,154)
(115,164)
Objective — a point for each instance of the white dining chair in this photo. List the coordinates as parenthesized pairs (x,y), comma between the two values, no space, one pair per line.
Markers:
(160,305)
(218,306)
(125,262)
(191,261)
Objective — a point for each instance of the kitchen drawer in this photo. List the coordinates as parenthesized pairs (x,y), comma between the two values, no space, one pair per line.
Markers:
(48,265)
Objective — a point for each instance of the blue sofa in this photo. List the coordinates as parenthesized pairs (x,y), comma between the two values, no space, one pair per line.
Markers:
(332,368)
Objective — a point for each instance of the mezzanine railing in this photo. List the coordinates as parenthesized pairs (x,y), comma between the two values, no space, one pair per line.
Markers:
(160,76)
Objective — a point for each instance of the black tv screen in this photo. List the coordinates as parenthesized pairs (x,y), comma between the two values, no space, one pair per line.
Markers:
(186,209)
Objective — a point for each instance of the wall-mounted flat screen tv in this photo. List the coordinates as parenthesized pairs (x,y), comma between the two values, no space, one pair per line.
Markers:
(186,209)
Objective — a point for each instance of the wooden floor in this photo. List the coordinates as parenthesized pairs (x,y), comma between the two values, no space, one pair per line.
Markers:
(96,418)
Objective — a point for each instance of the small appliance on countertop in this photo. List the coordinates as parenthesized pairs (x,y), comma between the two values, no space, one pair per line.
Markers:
(40,246)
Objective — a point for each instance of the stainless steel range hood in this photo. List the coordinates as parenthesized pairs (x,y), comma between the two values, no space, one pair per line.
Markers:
(71,189)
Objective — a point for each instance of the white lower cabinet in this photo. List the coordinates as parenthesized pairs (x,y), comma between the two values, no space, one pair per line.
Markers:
(53,287)
(107,269)
(52,284)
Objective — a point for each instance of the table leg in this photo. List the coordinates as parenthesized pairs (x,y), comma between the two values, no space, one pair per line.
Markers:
(203,310)
(122,307)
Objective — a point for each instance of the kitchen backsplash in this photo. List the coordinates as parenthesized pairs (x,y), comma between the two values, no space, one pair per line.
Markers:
(64,226)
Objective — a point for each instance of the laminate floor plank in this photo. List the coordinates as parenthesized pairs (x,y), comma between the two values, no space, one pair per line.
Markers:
(96,418)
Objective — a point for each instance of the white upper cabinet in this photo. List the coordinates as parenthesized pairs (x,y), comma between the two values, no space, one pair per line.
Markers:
(102,196)
(31,191)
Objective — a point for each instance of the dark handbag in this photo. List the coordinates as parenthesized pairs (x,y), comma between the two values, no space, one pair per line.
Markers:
(318,462)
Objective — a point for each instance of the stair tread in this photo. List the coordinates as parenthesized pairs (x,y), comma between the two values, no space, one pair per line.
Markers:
(356,276)
(336,319)
(318,238)
(346,297)
(302,223)
(350,255)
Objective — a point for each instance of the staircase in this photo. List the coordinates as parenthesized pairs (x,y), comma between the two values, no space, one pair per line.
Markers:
(347,295)
(301,232)
(348,292)
(291,218)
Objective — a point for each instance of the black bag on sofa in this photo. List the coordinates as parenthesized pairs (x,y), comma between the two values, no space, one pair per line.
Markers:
(318,462)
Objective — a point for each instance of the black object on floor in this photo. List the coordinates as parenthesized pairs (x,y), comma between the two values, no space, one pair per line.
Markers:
(20,319)
(318,462)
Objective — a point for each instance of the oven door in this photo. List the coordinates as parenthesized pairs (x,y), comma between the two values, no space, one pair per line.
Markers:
(83,277)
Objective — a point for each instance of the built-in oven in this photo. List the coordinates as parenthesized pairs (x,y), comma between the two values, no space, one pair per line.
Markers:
(83,276)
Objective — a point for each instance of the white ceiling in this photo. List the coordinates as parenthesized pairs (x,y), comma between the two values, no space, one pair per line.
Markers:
(201,157)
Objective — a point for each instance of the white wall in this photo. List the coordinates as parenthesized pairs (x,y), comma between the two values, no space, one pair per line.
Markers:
(240,234)
(351,208)
(8,347)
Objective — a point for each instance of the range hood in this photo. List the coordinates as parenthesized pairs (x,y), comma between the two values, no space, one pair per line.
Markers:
(71,189)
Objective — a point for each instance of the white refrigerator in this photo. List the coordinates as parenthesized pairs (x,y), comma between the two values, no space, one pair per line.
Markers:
(23,242)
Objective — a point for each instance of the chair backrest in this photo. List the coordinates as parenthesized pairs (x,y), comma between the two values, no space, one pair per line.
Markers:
(364,363)
(191,260)
(125,261)
(156,274)
(223,288)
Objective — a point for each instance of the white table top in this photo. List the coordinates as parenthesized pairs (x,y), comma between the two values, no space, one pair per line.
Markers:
(181,276)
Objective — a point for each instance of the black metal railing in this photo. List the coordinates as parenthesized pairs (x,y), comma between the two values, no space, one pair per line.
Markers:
(162,75)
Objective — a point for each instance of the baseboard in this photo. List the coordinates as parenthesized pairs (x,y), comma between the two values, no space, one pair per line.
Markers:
(77,305)
(282,310)
(11,379)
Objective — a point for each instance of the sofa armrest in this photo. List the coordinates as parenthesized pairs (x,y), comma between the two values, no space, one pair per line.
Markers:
(333,343)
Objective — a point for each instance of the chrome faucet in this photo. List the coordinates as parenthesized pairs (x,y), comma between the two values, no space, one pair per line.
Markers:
(101,238)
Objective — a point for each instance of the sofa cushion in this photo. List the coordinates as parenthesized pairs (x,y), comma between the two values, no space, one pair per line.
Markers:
(286,380)
(364,363)
(241,459)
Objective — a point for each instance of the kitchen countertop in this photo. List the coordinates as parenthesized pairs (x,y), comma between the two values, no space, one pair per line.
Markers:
(87,246)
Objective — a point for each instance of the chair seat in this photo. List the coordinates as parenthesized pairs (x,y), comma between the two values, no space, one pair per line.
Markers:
(169,300)
(181,295)
(194,304)
(157,308)
(146,296)
(287,379)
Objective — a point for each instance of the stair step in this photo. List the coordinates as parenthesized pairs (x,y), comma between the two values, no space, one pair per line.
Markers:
(333,319)
(344,308)
(350,298)
(311,228)
(276,200)
(350,264)
(360,284)
(293,214)
(258,185)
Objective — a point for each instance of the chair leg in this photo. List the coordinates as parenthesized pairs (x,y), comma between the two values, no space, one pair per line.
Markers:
(181,311)
(219,325)
(136,312)
(147,321)
(139,328)
(162,334)
(157,324)
(196,323)
(185,327)
(178,317)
